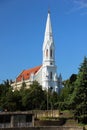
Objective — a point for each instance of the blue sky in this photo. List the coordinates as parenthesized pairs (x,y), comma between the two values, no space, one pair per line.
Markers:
(22,26)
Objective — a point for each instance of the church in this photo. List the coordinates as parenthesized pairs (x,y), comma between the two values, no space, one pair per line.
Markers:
(45,74)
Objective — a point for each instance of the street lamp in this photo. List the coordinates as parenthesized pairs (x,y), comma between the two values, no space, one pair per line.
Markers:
(47,98)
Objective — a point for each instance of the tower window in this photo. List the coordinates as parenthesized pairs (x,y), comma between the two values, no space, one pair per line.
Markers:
(51,53)
(47,53)
(50,75)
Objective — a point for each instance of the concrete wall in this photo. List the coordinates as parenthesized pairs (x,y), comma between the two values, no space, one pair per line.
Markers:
(48,123)
(45,113)
(16,119)
(45,128)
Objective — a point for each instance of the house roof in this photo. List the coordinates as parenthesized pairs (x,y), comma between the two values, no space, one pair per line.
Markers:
(25,74)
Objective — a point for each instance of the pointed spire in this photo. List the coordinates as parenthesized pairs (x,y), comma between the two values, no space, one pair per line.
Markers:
(48,30)
(49,11)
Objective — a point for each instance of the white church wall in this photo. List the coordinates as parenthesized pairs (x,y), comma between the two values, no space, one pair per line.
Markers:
(38,76)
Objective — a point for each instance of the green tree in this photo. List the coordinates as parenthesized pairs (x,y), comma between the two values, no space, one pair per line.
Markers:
(79,97)
(11,101)
(55,100)
(4,88)
(34,97)
(65,101)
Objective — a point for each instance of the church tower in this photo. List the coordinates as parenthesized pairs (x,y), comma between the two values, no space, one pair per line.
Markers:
(45,74)
(49,73)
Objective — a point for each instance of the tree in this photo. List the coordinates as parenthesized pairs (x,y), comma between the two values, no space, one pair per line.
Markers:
(80,93)
(4,88)
(34,97)
(65,101)
(55,100)
(11,101)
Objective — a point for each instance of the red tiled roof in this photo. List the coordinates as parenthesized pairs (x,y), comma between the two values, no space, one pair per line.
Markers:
(26,73)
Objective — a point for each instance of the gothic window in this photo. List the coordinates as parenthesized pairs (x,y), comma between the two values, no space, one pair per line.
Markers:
(51,53)
(47,53)
(50,75)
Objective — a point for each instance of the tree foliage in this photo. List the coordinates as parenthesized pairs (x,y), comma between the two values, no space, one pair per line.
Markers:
(33,97)
(26,99)
(74,94)
(80,93)
(66,93)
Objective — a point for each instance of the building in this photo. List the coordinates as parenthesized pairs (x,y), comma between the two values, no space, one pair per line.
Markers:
(45,74)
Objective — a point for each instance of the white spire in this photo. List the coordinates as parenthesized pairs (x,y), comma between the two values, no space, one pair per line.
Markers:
(48,31)
(49,74)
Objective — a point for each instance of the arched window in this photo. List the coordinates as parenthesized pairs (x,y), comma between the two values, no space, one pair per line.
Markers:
(50,75)
(47,53)
(51,53)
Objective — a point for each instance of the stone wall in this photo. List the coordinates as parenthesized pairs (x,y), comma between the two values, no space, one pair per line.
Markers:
(46,113)
(48,123)
(45,128)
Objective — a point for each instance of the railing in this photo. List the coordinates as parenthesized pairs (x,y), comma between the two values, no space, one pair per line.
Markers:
(5,125)
(8,125)
(23,124)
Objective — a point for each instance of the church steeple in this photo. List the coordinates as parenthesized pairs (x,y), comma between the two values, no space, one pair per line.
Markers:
(48,31)
(49,73)
(48,44)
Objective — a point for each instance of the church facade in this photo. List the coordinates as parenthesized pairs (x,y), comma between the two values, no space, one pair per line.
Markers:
(45,74)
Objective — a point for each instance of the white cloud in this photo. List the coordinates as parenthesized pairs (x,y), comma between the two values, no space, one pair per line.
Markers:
(79,5)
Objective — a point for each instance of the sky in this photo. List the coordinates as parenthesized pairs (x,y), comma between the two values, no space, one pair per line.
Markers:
(22,27)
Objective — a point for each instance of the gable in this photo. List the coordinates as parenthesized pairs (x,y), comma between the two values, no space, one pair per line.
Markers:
(25,74)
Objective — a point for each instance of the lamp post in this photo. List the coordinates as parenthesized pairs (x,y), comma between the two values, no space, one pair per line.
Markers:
(47,89)
(47,98)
